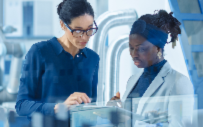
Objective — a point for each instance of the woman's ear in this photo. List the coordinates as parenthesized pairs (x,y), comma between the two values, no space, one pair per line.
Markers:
(62,25)
(159,49)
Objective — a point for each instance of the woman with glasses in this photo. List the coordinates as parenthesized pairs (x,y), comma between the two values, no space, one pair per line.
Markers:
(61,69)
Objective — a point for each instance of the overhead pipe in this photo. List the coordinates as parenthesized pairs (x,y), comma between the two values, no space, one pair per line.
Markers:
(105,22)
(113,65)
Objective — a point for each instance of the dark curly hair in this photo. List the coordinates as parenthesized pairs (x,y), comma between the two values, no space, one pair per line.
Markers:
(70,9)
(165,21)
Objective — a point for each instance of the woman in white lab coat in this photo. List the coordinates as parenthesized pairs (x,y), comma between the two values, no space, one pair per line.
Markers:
(158,87)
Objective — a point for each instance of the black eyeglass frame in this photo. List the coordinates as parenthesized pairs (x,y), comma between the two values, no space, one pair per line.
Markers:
(83,31)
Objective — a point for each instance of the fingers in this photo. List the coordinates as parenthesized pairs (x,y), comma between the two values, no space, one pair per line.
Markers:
(77,98)
(118,94)
(84,99)
(73,102)
(83,96)
(115,98)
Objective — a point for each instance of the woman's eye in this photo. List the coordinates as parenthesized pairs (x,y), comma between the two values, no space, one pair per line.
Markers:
(141,50)
(131,48)
(78,31)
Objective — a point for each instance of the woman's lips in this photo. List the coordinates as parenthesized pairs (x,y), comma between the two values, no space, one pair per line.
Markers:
(83,43)
(136,62)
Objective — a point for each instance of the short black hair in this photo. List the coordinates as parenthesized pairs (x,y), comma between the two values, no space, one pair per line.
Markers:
(70,9)
(165,21)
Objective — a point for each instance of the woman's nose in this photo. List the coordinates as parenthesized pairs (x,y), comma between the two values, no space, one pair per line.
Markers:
(84,36)
(134,53)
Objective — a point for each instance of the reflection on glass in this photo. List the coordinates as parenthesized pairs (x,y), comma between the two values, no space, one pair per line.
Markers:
(94,116)
(194,30)
(198,57)
(189,6)
(134,112)
(154,112)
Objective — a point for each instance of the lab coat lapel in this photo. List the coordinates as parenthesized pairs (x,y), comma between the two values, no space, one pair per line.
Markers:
(156,83)
(131,84)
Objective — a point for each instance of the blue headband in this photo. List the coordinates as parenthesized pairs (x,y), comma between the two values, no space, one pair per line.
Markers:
(150,32)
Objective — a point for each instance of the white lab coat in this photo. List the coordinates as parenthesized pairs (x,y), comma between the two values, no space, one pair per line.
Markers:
(170,91)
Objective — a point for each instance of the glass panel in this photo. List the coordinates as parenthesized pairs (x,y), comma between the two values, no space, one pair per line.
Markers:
(189,6)
(144,111)
(198,57)
(194,30)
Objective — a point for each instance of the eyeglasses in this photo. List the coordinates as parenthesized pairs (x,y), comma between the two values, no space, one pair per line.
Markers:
(79,33)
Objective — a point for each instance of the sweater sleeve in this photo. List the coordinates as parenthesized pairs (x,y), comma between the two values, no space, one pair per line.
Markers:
(30,86)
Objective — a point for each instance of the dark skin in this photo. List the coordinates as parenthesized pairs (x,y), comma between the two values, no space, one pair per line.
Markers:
(143,53)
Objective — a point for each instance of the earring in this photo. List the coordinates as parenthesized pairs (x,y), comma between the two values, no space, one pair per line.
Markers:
(159,54)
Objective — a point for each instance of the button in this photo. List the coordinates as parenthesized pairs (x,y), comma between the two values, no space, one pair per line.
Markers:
(77,55)
(81,53)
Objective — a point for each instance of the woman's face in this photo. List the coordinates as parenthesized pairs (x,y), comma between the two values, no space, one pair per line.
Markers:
(83,22)
(143,53)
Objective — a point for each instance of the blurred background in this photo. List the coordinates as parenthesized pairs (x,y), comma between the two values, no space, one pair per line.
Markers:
(25,22)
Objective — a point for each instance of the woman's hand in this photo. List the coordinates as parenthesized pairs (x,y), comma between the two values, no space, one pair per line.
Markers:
(75,99)
(117,97)
(115,101)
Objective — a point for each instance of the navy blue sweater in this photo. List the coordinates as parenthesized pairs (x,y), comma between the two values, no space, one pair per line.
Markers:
(146,79)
